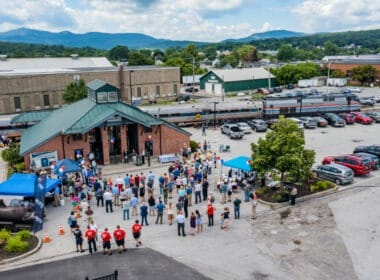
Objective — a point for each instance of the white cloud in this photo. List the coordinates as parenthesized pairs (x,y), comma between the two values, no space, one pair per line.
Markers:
(266,27)
(331,15)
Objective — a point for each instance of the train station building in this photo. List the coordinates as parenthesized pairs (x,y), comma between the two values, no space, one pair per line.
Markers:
(100,126)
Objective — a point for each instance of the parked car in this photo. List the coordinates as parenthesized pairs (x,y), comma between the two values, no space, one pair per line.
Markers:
(334,120)
(362,118)
(376,99)
(277,89)
(349,118)
(371,149)
(258,125)
(232,130)
(367,101)
(190,89)
(374,115)
(356,89)
(374,159)
(308,122)
(290,86)
(321,122)
(297,121)
(263,91)
(271,122)
(337,173)
(183,97)
(244,127)
(360,166)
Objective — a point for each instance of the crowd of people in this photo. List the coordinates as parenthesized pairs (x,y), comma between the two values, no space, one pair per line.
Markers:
(182,195)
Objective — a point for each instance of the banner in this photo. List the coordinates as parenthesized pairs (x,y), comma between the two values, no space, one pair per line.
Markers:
(39,202)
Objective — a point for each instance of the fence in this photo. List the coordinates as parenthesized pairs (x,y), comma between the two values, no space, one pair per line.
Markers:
(112,276)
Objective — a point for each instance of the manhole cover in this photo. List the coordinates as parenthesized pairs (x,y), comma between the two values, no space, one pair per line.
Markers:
(357,140)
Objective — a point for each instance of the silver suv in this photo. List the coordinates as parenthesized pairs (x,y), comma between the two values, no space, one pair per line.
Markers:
(232,130)
(337,173)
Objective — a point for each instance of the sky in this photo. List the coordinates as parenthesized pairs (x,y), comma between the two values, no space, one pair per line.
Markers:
(196,20)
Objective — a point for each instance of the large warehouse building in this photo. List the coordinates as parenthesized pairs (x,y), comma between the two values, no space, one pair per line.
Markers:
(220,81)
(32,84)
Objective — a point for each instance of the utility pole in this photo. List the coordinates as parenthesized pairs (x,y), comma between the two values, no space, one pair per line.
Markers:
(269,82)
(222,88)
(215,102)
(328,78)
(193,78)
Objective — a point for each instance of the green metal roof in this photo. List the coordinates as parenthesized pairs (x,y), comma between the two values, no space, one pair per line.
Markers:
(28,117)
(80,117)
(96,84)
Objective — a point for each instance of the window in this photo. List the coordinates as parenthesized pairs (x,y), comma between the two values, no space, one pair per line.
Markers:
(17,103)
(77,137)
(175,89)
(112,96)
(158,90)
(46,100)
(139,92)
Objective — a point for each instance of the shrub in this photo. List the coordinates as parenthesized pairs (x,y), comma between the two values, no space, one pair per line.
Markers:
(24,234)
(321,186)
(15,244)
(4,235)
(261,191)
(193,146)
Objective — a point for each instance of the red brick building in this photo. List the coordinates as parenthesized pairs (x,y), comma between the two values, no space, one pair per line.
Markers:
(99,126)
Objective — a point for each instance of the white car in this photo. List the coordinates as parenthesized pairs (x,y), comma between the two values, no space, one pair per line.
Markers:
(244,127)
(356,89)
(298,122)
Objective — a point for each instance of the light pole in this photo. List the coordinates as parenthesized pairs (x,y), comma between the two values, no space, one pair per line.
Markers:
(215,102)
(130,86)
(222,88)
(328,77)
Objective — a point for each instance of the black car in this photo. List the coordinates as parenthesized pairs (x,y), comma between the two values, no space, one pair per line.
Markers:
(334,120)
(271,122)
(258,125)
(183,97)
(190,89)
(277,89)
(371,149)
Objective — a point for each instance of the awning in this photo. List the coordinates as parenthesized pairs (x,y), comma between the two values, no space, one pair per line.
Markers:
(241,162)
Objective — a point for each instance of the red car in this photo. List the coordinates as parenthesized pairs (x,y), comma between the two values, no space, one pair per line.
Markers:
(360,166)
(362,118)
(349,118)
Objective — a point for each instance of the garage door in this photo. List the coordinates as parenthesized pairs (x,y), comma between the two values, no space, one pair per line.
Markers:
(208,88)
(218,89)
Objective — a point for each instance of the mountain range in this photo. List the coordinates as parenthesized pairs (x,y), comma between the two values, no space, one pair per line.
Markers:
(99,40)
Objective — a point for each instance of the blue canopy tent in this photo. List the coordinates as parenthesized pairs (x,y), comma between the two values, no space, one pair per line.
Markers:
(23,185)
(241,162)
(67,166)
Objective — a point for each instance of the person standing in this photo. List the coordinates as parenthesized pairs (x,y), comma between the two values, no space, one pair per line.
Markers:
(126,206)
(94,227)
(143,156)
(134,203)
(144,214)
(119,235)
(226,218)
(99,197)
(136,232)
(203,129)
(254,205)
(198,188)
(205,189)
(170,213)
(237,203)
(91,235)
(160,211)
(78,239)
(185,206)
(106,238)
(181,224)
(189,192)
(152,205)
(116,194)
(193,223)
(199,221)
(107,196)
(165,192)
(293,196)
(210,214)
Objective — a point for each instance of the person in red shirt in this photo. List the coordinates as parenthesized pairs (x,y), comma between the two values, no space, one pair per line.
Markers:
(136,231)
(90,234)
(106,238)
(119,235)
(210,214)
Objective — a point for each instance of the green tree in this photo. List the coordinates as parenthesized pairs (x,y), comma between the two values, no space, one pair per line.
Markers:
(285,53)
(139,58)
(75,91)
(228,59)
(118,53)
(12,155)
(283,151)
(363,73)
(330,48)
(292,73)
(247,53)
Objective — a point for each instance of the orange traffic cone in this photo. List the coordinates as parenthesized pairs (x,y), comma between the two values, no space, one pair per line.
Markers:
(47,238)
(78,215)
(61,231)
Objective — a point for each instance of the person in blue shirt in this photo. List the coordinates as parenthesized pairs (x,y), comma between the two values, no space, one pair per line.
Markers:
(127,181)
(144,214)
(160,211)
(57,196)
(161,181)
(150,180)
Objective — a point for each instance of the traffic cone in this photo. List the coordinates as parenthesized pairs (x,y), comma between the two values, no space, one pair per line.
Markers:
(61,231)
(47,238)
(78,215)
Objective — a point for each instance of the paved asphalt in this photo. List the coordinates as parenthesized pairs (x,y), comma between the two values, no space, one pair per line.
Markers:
(136,264)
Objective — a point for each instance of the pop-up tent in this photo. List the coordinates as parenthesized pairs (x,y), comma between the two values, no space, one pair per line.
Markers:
(66,166)
(23,185)
(241,162)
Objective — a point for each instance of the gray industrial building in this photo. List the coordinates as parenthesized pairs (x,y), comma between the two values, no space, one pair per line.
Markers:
(30,84)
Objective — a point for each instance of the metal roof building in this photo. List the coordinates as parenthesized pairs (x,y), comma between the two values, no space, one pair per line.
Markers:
(235,80)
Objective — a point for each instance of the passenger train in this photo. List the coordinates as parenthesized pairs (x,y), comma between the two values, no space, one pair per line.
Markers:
(269,107)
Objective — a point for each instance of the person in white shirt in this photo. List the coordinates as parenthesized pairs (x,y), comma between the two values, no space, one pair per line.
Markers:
(107,196)
(181,224)
(198,189)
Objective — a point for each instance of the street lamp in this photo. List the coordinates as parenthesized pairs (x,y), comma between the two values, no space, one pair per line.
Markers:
(299,100)
(215,102)
(130,86)
(222,88)
(328,77)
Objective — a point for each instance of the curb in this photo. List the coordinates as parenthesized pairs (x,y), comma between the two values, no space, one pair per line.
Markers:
(136,169)
(38,247)
(301,199)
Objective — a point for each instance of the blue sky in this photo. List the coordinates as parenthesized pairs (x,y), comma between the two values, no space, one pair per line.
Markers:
(199,20)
